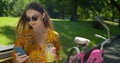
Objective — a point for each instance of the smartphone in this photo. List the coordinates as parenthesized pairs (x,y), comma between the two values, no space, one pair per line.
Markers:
(20,50)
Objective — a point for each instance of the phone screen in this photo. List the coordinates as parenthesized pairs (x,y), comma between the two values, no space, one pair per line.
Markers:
(20,50)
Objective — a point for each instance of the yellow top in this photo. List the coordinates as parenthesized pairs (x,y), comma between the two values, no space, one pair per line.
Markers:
(36,54)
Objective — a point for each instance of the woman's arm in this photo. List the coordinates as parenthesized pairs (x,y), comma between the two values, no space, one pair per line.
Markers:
(17,58)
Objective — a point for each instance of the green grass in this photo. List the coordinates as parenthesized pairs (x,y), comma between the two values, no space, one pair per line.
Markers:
(7,30)
(67,30)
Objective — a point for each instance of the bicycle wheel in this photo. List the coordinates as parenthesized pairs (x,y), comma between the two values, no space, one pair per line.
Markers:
(73,52)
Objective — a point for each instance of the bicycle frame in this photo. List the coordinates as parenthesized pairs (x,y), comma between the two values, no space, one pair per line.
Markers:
(96,53)
(80,56)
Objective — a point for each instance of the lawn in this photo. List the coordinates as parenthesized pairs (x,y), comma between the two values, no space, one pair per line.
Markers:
(67,30)
(7,30)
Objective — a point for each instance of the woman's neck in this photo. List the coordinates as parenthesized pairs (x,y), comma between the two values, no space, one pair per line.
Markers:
(40,35)
(39,30)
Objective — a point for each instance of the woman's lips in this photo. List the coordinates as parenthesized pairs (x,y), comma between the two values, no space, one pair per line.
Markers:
(33,24)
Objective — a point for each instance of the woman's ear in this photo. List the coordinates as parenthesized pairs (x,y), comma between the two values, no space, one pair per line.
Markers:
(43,15)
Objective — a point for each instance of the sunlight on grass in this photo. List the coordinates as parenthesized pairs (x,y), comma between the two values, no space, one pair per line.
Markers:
(8,21)
(7,29)
(4,40)
(59,19)
(112,23)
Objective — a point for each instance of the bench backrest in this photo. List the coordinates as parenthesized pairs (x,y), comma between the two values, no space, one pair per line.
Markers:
(6,53)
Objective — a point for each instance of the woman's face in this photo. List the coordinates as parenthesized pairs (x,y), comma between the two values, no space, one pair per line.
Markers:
(34,18)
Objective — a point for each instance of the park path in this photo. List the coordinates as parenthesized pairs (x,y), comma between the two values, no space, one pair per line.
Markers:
(112,51)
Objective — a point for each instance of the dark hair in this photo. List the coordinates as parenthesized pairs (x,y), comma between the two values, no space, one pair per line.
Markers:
(22,24)
(36,6)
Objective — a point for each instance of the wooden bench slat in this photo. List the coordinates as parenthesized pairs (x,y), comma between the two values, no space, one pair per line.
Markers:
(8,47)
(7,60)
(6,53)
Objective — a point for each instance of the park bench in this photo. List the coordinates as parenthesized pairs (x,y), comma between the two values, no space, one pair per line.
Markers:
(6,53)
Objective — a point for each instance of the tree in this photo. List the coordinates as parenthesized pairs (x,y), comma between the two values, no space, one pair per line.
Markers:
(3,7)
(114,3)
(74,10)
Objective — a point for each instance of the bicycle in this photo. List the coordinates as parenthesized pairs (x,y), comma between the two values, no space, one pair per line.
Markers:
(95,55)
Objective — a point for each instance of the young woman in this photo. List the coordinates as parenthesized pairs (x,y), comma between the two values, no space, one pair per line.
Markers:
(34,31)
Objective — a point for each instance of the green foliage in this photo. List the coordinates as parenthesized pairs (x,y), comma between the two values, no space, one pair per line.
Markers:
(3,8)
(20,5)
(13,7)
(63,8)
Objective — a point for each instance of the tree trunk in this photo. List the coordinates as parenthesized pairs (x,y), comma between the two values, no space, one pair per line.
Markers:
(74,10)
(114,3)
(113,12)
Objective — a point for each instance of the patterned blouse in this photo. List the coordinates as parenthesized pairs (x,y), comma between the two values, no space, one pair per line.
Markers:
(36,54)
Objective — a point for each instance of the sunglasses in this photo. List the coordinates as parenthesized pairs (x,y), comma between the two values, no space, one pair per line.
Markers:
(33,18)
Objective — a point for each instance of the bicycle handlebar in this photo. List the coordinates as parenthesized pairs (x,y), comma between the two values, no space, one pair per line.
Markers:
(104,42)
(99,36)
(99,19)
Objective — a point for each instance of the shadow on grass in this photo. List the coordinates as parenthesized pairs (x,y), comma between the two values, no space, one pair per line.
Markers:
(9,32)
(68,30)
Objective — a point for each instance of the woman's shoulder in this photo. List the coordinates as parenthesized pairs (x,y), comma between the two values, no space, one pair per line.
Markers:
(53,36)
(54,32)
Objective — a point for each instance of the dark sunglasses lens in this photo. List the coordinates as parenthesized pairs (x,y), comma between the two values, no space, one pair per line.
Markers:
(34,18)
(27,19)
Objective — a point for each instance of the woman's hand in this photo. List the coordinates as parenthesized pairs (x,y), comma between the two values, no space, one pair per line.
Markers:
(20,59)
(54,51)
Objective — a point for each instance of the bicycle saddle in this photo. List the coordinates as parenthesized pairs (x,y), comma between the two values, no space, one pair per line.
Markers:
(81,41)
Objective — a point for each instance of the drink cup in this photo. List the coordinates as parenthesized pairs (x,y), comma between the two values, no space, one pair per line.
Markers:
(49,55)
